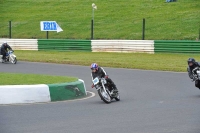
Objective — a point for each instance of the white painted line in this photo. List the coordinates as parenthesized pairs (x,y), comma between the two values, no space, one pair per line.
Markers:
(92,95)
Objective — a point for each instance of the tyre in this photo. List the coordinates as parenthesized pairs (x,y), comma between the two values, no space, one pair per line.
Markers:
(15,61)
(104,96)
(117,98)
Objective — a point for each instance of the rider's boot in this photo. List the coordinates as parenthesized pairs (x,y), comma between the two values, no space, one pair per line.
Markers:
(114,88)
(2,60)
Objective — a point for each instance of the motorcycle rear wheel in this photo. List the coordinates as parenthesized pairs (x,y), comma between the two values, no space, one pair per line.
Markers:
(117,98)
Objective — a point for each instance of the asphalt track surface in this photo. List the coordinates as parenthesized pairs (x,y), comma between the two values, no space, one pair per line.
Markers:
(151,102)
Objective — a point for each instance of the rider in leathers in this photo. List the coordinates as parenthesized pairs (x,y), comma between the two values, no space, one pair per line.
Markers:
(193,66)
(4,48)
(99,71)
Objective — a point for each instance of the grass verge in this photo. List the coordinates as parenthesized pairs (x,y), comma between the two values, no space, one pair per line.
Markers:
(114,19)
(27,79)
(163,62)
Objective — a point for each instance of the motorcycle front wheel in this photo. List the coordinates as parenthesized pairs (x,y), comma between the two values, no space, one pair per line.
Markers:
(14,61)
(104,96)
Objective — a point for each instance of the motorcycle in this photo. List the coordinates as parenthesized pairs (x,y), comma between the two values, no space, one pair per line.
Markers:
(196,75)
(105,90)
(10,57)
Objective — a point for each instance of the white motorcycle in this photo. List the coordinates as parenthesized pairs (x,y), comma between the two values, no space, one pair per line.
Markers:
(105,90)
(10,57)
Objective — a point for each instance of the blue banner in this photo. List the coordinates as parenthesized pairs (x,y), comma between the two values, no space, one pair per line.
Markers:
(49,26)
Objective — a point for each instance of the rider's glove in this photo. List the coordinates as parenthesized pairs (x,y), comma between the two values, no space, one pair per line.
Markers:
(193,79)
(106,77)
(92,86)
(195,69)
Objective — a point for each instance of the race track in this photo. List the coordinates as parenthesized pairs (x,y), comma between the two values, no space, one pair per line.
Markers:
(151,102)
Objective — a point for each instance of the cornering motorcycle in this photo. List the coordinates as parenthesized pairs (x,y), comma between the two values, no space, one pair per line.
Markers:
(196,76)
(105,90)
(10,57)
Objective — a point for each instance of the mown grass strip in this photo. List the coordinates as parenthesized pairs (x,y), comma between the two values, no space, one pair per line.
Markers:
(113,19)
(163,62)
(27,79)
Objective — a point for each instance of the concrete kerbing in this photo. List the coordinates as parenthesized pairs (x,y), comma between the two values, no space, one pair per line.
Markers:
(67,91)
(91,94)
(18,94)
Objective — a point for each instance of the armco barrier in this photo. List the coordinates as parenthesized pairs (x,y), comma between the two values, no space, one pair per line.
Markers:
(17,94)
(176,46)
(139,46)
(21,44)
(64,45)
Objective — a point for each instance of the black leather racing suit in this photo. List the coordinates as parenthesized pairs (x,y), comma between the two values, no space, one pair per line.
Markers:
(4,50)
(102,73)
(192,73)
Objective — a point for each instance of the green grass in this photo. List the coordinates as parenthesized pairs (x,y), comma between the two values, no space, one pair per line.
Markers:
(163,62)
(114,19)
(27,79)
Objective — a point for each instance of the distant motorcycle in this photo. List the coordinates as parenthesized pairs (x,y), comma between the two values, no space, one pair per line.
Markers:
(10,57)
(105,90)
(196,74)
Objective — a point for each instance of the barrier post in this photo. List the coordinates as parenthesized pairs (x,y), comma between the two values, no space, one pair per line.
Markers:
(47,34)
(92,30)
(143,29)
(10,29)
